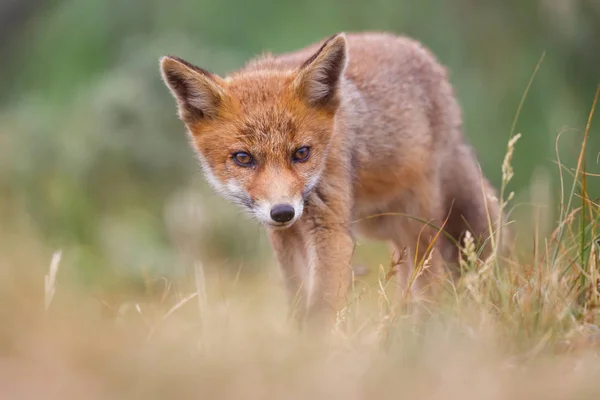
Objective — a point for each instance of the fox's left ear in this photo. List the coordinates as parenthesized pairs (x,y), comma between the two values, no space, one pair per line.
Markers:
(318,79)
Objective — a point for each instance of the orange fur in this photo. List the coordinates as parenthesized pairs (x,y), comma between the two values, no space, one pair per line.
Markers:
(384,132)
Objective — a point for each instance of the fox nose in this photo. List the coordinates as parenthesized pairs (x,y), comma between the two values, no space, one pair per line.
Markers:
(282,213)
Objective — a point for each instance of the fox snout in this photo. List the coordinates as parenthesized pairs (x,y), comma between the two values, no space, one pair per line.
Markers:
(282,213)
(279,214)
(277,196)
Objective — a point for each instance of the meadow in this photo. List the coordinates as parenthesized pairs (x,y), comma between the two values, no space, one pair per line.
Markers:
(525,326)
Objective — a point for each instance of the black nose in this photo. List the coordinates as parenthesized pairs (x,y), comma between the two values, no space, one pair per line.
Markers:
(282,213)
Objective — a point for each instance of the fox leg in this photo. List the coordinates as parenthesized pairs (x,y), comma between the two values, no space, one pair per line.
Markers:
(291,252)
(417,243)
(330,274)
(419,266)
(329,247)
(315,260)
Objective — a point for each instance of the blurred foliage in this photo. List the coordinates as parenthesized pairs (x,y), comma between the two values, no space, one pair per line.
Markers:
(93,159)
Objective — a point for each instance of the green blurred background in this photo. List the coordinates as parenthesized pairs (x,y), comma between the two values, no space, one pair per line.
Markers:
(94,161)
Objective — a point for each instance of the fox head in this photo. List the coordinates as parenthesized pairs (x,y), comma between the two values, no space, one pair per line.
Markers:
(262,135)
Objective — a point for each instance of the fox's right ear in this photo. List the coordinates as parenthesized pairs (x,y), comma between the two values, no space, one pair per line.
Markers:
(198,92)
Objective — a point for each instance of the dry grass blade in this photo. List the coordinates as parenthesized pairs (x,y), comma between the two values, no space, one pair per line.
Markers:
(579,169)
(176,307)
(50,279)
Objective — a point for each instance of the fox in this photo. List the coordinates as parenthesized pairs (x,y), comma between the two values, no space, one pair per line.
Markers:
(358,134)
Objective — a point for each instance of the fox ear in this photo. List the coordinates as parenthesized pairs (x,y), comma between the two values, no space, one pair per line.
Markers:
(198,92)
(319,77)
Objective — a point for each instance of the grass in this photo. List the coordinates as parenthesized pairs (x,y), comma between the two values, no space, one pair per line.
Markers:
(519,327)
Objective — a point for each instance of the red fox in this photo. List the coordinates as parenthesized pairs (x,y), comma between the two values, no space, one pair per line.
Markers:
(354,134)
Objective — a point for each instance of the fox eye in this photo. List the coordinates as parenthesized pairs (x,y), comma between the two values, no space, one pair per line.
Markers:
(301,154)
(243,159)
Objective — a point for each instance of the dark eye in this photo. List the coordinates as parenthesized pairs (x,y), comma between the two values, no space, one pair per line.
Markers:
(243,159)
(301,154)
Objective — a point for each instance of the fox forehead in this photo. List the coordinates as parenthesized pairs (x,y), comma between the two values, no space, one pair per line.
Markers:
(263,111)
(260,86)
(269,128)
